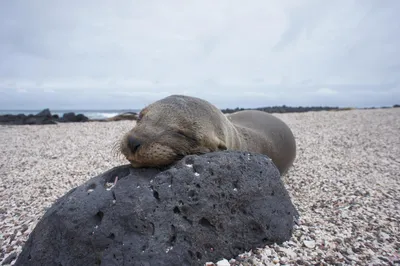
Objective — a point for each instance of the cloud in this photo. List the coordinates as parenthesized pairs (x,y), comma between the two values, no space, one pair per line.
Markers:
(261,53)
(326,91)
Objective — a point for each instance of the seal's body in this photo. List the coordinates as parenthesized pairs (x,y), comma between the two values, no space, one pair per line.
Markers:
(179,125)
(266,134)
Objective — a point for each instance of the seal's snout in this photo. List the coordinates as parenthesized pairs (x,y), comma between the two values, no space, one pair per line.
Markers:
(134,143)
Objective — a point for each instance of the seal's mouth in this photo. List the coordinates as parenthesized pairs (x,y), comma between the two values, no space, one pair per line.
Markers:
(164,157)
(134,164)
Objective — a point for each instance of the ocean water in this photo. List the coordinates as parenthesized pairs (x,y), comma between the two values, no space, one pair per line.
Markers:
(92,114)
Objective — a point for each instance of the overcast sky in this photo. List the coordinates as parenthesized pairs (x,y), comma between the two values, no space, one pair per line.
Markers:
(101,54)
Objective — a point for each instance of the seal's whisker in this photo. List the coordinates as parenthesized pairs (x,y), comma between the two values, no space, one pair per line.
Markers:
(116,149)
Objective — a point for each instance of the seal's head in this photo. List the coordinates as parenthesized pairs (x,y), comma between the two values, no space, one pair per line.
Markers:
(169,129)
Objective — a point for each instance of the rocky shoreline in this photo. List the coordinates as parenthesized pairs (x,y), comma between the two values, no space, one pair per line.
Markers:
(46,118)
(301,109)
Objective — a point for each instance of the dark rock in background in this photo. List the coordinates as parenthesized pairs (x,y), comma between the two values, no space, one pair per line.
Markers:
(38,120)
(12,119)
(45,113)
(72,117)
(123,116)
(42,118)
(68,117)
(286,109)
(302,109)
(204,208)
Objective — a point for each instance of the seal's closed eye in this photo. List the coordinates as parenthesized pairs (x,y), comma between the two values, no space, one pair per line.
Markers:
(185,135)
(180,132)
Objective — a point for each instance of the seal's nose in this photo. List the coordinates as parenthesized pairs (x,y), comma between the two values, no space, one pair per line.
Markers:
(133,143)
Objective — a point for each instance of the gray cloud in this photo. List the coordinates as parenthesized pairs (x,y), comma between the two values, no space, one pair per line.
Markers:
(126,54)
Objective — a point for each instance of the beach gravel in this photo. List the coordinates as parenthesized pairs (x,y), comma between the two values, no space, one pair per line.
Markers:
(345,183)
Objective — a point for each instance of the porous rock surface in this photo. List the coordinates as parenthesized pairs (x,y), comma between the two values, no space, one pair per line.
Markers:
(204,208)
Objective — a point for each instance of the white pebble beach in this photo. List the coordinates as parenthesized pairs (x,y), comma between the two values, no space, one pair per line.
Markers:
(345,183)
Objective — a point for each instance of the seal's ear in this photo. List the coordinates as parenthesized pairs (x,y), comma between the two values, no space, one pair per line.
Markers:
(222,146)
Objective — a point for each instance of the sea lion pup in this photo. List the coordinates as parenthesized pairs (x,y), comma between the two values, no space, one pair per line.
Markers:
(177,125)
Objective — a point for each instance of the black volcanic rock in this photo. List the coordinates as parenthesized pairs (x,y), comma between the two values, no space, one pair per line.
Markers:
(38,120)
(204,208)
(72,117)
(69,117)
(124,116)
(81,118)
(46,113)
(42,118)
(285,109)
(12,119)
